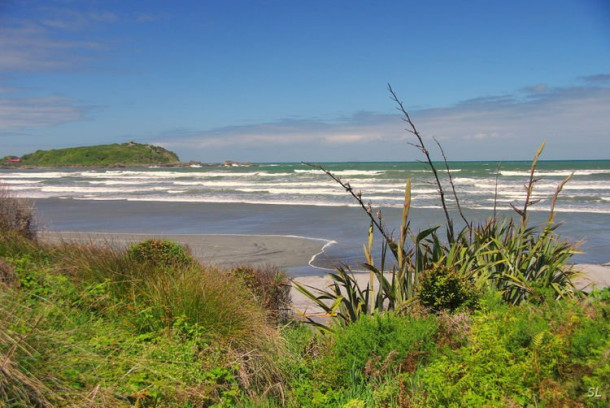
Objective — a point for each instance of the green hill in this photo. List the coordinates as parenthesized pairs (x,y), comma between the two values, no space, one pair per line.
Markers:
(125,154)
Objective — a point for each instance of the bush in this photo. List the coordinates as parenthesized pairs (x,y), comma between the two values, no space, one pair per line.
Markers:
(160,252)
(270,286)
(546,355)
(16,214)
(380,345)
(444,289)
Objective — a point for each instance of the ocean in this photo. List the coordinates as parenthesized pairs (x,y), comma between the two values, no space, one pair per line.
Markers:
(296,199)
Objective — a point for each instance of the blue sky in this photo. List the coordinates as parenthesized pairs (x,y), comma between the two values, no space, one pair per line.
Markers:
(293,80)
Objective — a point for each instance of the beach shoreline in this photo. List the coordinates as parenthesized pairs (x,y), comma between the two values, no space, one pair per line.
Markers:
(222,250)
(288,252)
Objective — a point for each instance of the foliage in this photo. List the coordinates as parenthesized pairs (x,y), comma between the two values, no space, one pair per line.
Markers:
(270,286)
(16,214)
(549,354)
(523,262)
(160,253)
(379,345)
(127,154)
(445,289)
(92,324)
(520,356)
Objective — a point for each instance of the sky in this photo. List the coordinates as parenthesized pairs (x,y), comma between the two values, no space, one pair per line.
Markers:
(307,80)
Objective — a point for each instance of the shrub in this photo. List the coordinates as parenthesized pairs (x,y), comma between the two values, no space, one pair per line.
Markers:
(213,306)
(16,214)
(110,304)
(7,274)
(160,252)
(380,345)
(445,289)
(270,286)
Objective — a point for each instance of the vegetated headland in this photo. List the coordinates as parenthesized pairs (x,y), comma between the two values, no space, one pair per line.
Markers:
(128,154)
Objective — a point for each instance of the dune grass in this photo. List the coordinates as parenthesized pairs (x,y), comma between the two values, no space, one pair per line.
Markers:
(80,320)
(16,214)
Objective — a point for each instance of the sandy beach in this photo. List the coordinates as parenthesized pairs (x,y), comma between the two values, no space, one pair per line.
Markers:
(226,250)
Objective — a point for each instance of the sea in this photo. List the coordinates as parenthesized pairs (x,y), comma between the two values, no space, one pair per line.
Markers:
(300,199)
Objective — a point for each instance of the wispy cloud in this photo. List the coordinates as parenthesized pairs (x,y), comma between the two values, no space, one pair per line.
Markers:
(574,120)
(73,20)
(359,128)
(149,18)
(34,112)
(556,114)
(54,36)
(29,47)
(599,78)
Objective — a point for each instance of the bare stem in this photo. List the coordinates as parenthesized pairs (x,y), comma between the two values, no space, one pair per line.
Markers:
(529,188)
(555,196)
(375,219)
(457,200)
(422,147)
(496,191)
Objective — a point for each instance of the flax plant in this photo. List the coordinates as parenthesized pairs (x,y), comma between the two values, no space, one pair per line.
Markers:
(522,262)
(396,283)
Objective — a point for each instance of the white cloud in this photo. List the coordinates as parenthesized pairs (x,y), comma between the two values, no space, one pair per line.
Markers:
(346,138)
(75,20)
(570,119)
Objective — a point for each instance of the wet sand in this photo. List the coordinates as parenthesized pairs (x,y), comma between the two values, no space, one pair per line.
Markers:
(223,250)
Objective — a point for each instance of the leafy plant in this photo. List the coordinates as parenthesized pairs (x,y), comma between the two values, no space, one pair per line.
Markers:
(16,214)
(446,289)
(270,286)
(518,260)
(159,252)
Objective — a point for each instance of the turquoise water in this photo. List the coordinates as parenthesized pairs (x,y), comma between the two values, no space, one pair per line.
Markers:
(480,185)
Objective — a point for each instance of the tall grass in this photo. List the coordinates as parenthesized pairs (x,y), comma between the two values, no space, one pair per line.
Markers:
(18,387)
(270,286)
(185,298)
(211,311)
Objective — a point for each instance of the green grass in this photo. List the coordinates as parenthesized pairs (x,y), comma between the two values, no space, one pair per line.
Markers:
(84,321)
